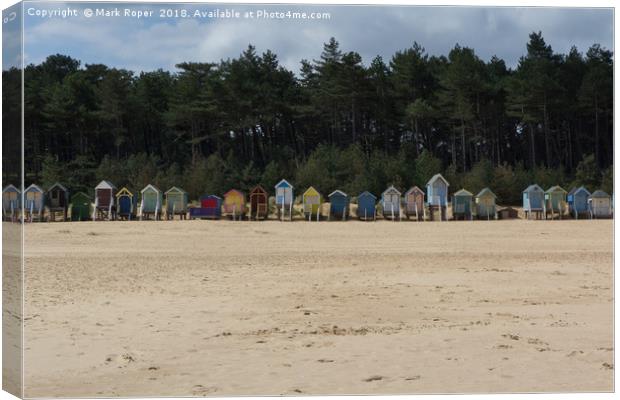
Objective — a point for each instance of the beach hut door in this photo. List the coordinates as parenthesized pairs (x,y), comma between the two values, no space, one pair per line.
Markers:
(124,204)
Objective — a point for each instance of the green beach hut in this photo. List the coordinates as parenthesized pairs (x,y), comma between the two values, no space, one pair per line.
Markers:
(462,205)
(80,207)
(176,203)
(485,204)
(555,201)
(151,203)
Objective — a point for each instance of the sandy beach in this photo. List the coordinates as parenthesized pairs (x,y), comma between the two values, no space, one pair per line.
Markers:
(179,308)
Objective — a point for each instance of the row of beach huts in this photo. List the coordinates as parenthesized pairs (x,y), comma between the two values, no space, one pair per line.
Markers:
(110,203)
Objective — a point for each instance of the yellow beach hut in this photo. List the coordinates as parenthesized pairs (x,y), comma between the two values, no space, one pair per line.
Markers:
(312,203)
(234,204)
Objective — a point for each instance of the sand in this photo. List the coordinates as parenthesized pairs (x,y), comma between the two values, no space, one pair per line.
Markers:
(181,308)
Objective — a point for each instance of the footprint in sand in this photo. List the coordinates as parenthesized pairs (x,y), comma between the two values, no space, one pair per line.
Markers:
(128,358)
(374,378)
(200,390)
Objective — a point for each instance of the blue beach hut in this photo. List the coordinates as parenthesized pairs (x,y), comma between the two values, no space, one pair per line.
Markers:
(437,196)
(569,199)
(437,191)
(338,205)
(210,207)
(366,206)
(533,201)
(125,204)
(284,199)
(577,200)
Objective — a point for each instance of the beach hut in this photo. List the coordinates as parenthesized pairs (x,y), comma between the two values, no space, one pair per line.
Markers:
(311,201)
(284,199)
(508,213)
(533,201)
(577,200)
(366,206)
(259,203)
(555,201)
(390,203)
(34,202)
(176,203)
(210,208)
(569,199)
(57,201)
(234,204)
(10,202)
(151,202)
(414,203)
(125,204)
(437,196)
(79,207)
(600,205)
(462,205)
(105,208)
(338,205)
(485,204)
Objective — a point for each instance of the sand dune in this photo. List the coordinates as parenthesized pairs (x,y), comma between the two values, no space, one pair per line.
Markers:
(229,308)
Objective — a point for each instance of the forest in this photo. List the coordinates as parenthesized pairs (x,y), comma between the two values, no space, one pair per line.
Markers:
(337,123)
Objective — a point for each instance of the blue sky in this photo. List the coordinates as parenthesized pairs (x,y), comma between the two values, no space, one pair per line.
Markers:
(151,43)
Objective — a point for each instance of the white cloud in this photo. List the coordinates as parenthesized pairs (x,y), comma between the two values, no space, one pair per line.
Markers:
(150,45)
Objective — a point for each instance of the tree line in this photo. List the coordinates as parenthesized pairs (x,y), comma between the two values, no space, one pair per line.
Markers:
(338,123)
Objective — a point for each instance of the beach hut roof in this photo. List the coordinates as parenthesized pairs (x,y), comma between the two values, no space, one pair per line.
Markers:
(580,189)
(211,195)
(81,194)
(34,187)
(150,187)
(391,189)
(284,183)
(258,188)
(414,189)
(338,192)
(486,192)
(175,189)
(436,177)
(572,191)
(533,188)
(366,194)
(311,191)
(124,192)
(599,194)
(105,185)
(233,191)
(59,186)
(463,193)
(508,208)
(555,189)
(10,188)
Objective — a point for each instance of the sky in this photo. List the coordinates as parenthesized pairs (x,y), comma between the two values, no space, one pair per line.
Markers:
(152,42)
